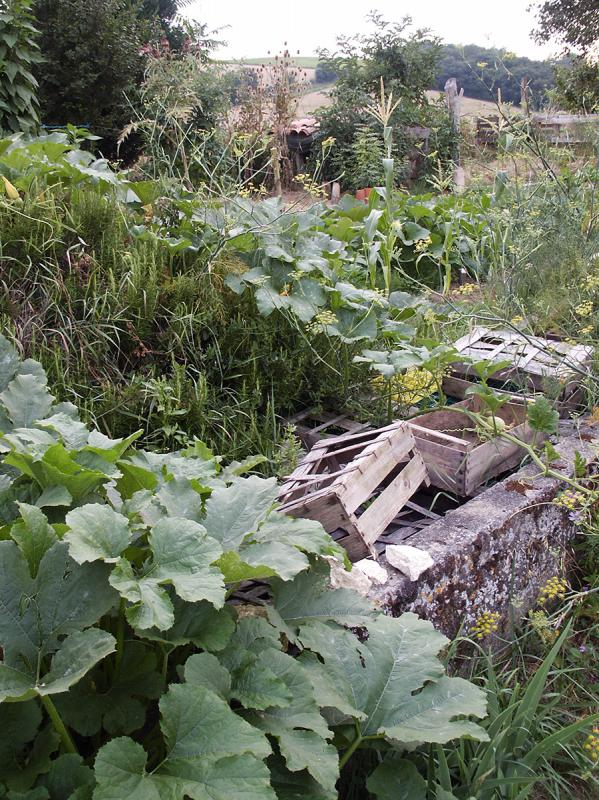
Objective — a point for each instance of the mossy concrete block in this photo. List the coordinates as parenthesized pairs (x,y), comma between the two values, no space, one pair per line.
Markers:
(496,551)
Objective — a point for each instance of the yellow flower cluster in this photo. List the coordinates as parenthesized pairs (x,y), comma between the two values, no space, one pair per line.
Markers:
(592,745)
(486,623)
(592,281)
(554,589)
(467,288)
(409,388)
(569,499)
(540,623)
(422,244)
(587,330)
(516,320)
(584,309)
(310,186)
(320,321)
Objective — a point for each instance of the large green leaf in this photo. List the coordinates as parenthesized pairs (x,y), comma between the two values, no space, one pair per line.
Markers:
(117,706)
(211,752)
(96,532)
(182,555)
(33,535)
(76,655)
(26,399)
(397,779)
(299,728)
(121,774)
(234,512)
(9,361)
(37,613)
(310,597)
(396,683)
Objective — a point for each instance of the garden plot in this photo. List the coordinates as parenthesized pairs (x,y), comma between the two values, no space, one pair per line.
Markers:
(536,365)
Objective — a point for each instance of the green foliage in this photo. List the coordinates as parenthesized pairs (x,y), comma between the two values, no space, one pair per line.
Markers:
(92,59)
(577,86)
(19,53)
(406,61)
(574,23)
(482,71)
(123,560)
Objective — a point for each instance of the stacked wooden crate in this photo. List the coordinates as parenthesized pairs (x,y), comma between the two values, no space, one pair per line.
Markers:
(356,484)
(458,458)
(537,365)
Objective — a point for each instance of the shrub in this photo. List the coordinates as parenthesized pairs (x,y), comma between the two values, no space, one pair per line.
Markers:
(19,53)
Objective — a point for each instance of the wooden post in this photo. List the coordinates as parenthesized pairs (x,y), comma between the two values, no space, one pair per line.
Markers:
(453,99)
(275,160)
(525,95)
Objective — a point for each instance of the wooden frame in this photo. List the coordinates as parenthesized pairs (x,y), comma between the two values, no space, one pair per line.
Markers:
(535,362)
(358,483)
(313,425)
(456,458)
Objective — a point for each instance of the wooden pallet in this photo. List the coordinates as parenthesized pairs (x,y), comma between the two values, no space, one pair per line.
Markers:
(358,483)
(536,363)
(457,459)
(313,425)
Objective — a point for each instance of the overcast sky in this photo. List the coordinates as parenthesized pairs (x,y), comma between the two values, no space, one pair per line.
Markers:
(262,25)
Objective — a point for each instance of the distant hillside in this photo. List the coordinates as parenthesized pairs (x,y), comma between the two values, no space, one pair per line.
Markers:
(481,71)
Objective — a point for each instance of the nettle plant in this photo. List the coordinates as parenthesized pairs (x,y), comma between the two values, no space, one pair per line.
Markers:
(131,666)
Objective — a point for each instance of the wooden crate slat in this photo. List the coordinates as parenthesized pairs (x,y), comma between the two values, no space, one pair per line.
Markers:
(372,473)
(535,360)
(382,511)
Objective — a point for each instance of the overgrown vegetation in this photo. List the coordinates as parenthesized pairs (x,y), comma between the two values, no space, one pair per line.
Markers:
(167,633)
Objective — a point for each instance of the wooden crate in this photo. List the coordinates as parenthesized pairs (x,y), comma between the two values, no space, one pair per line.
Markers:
(357,483)
(313,425)
(456,458)
(536,364)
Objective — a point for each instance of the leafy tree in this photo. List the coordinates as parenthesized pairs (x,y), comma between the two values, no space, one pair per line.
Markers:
(574,23)
(18,53)
(92,61)
(577,86)
(406,60)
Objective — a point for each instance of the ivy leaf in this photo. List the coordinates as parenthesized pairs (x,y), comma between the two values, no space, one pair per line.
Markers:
(397,780)
(541,416)
(96,532)
(33,535)
(182,554)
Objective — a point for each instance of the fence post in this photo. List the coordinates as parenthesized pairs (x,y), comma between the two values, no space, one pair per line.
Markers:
(453,99)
